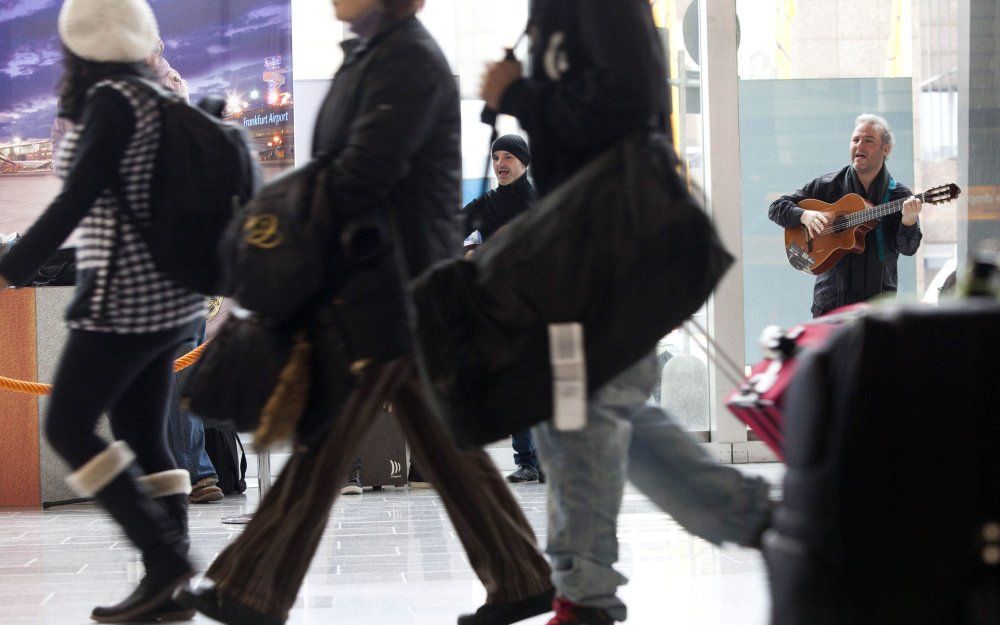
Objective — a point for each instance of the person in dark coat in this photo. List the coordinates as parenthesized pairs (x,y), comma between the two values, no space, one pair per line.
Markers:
(514,195)
(485,216)
(598,74)
(858,277)
(391,125)
(126,318)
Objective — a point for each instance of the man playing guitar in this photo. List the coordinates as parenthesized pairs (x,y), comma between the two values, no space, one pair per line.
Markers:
(858,276)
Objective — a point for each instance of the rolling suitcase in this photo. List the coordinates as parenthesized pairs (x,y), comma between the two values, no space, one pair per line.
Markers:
(383,452)
(760,400)
(891,510)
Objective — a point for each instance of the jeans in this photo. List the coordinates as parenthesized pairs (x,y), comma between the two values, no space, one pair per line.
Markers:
(586,471)
(185,431)
(524,450)
(186,435)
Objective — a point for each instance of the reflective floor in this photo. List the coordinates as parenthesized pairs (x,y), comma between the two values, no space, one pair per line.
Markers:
(387,558)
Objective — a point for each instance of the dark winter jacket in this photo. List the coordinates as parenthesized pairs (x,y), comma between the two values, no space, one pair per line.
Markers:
(392,119)
(392,126)
(498,206)
(857,277)
(597,72)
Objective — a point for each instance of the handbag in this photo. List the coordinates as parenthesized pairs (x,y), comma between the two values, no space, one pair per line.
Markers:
(621,248)
(275,251)
(238,372)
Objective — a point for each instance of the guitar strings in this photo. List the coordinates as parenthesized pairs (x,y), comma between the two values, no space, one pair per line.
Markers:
(863,216)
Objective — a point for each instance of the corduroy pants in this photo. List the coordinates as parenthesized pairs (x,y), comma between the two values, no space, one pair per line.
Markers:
(265,566)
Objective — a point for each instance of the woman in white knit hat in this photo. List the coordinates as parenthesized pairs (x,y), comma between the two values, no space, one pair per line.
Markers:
(126,318)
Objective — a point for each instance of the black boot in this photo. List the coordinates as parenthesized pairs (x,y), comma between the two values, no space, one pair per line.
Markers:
(111,479)
(171,490)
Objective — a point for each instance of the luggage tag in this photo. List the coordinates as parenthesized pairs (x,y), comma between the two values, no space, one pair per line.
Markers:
(569,376)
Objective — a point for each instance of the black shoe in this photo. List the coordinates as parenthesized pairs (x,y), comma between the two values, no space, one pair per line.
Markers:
(167,612)
(541,476)
(352,486)
(511,612)
(215,605)
(150,595)
(524,473)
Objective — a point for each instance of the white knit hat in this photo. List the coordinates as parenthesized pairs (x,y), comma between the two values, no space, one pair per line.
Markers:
(109,31)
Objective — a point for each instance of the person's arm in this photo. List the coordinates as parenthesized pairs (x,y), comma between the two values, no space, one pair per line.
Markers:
(612,93)
(108,125)
(908,236)
(785,211)
(471,213)
(394,118)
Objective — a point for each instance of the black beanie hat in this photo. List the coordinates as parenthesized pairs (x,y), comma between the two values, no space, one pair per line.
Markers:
(514,144)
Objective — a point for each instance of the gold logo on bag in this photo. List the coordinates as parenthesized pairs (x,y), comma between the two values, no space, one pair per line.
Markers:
(262,231)
(214,307)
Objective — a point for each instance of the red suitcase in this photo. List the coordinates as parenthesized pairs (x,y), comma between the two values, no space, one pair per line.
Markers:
(759,401)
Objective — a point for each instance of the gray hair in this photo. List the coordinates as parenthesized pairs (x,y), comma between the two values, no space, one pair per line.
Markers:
(868,118)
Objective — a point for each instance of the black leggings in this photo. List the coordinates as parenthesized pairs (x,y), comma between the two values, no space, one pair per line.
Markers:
(126,375)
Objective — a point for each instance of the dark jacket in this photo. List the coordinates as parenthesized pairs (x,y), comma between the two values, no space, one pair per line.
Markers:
(498,206)
(841,285)
(597,72)
(392,119)
(391,124)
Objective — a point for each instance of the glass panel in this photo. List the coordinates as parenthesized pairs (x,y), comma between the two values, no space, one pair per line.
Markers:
(683,387)
(792,131)
(808,68)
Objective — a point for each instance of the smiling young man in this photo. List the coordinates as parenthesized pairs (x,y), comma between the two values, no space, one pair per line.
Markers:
(858,277)
(487,214)
(515,194)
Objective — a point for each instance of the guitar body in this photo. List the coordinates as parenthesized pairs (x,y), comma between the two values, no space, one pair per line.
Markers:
(816,255)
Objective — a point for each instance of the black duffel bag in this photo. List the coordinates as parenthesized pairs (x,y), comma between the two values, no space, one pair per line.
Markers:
(273,250)
(237,373)
(621,247)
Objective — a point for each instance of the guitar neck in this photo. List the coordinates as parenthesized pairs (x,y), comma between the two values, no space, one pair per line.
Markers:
(880,211)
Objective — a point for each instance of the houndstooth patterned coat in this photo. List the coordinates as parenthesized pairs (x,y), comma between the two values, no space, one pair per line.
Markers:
(119,288)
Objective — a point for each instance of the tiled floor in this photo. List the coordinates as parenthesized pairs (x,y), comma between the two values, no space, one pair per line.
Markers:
(388,558)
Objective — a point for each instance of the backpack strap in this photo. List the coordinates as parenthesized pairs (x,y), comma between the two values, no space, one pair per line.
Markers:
(243,459)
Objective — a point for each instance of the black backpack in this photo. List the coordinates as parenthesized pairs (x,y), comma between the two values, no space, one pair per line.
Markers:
(205,170)
(230,461)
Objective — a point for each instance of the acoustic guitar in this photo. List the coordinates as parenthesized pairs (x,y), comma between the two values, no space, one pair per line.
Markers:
(850,219)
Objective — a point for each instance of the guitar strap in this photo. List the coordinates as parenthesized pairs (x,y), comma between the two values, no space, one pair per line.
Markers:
(879,233)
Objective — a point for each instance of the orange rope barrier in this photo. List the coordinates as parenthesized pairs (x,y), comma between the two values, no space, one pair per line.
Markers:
(189,358)
(37,388)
